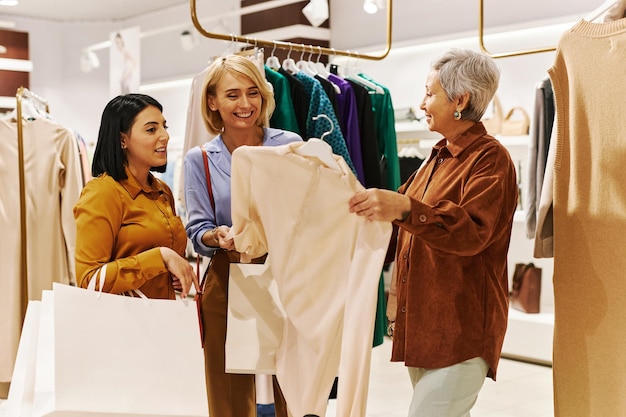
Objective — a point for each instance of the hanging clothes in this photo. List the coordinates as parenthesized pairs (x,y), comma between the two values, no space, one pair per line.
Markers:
(386,132)
(589,360)
(287,204)
(349,121)
(543,122)
(284,116)
(53,181)
(368,136)
(319,103)
(299,99)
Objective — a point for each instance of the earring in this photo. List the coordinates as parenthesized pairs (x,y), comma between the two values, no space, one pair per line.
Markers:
(457,115)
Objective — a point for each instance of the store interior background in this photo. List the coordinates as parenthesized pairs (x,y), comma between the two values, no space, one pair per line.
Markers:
(59,32)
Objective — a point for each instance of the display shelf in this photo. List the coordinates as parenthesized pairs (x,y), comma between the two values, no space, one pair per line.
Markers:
(529,337)
(415,131)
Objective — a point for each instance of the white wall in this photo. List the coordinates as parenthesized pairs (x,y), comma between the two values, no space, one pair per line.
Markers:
(77,99)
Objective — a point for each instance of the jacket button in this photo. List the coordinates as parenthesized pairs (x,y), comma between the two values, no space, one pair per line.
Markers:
(422,218)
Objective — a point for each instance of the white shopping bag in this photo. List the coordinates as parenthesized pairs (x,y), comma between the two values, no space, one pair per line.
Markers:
(20,399)
(255,320)
(103,355)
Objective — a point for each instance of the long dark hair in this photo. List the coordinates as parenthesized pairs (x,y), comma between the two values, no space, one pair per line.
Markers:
(117,118)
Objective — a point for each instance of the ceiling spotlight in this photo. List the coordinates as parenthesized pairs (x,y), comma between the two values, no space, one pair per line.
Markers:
(372,6)
(316,12)
(9,2)
(3,49)
(89,61)
(187,40)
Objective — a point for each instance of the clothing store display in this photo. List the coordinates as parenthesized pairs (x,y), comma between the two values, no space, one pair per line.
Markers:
(87,381)
(319,103)
(386,133)
(285,117)
(526,288)
(539,142)
(368,135)
(52,185)
(299,98)
(588,210)
(347,113)
(287,204)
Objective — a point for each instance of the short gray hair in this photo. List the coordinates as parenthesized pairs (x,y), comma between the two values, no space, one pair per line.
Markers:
(465,71)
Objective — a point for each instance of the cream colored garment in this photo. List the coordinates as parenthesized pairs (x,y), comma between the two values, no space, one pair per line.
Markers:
(327,264)
(195,130)
(53,182)
(544,232)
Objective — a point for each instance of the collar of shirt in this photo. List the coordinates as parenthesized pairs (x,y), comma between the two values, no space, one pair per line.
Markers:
(132,185)
(441,149)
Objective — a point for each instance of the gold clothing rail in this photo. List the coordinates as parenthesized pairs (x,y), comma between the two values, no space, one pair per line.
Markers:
(481,23)
(294,46)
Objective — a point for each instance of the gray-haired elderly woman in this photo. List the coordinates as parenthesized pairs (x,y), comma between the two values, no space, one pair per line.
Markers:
(453,219)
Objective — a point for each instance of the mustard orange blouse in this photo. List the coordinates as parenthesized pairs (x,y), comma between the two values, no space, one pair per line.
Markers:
(122,225)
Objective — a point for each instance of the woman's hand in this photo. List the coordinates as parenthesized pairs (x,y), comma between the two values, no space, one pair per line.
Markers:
(182,272)
(382,205)
(221,233)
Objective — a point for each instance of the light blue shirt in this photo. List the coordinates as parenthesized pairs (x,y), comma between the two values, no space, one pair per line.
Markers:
(200,214)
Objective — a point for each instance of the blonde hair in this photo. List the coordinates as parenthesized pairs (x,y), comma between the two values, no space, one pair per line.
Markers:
(242,66)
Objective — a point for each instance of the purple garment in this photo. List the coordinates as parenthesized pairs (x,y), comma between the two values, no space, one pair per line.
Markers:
(349,120)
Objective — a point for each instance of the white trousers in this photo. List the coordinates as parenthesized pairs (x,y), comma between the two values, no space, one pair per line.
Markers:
(447,392)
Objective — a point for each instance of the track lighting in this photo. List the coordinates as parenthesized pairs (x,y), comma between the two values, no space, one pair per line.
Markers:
(188,41)
(316,12)
(372,6)
(89,61)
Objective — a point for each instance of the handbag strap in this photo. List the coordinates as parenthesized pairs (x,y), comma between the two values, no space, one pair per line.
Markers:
(209,189)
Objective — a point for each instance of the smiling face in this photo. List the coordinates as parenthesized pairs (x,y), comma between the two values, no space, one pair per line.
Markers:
(238,101)
(146,142)
(438,109)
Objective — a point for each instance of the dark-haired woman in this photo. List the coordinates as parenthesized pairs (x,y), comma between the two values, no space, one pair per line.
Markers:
(125,217)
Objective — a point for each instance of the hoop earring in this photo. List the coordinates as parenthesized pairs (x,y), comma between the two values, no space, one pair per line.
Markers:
(457,115)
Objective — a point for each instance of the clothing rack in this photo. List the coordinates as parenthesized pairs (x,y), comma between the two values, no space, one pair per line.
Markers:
(604,7)
(24,93)
(294,46)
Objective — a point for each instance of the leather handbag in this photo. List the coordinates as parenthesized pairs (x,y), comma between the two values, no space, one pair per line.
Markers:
(518,126)
(526,292)
(493,124)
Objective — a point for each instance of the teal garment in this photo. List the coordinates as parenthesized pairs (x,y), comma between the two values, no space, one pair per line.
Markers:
(284,116)
(380,323)
(386,131)
(319,103)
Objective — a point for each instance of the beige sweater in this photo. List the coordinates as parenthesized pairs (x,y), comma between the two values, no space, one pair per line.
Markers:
(589,206)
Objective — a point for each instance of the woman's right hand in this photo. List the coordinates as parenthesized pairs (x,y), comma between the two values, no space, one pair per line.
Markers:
(221,236)
(181,270)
